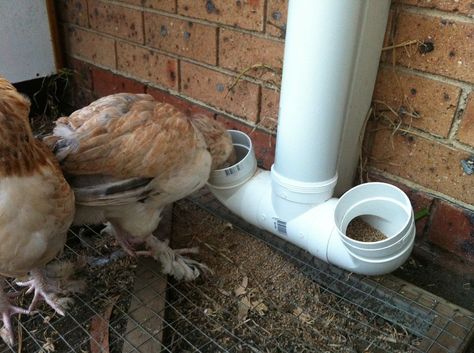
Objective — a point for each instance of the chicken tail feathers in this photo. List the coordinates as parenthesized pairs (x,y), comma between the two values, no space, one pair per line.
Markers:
(63,142)
(64,147)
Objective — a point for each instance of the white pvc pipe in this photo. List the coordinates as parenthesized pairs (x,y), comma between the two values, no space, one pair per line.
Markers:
(294,201)
(320,48)
(362,87)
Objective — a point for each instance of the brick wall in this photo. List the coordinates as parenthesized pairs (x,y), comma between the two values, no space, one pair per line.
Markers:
(191,53)
(424,125)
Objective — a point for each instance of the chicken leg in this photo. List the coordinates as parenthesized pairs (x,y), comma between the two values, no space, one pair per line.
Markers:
(122,237)
(7,310)
(172,261)
(47,287)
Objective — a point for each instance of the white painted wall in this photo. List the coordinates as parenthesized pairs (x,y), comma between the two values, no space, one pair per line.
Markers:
(26,45)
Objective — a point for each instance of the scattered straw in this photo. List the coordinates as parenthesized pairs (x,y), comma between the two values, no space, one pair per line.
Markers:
(400,45)
(254,67)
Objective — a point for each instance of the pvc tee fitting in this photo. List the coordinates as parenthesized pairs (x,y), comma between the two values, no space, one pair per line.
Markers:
(320,229)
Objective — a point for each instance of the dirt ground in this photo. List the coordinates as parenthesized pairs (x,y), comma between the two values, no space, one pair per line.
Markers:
(258,301)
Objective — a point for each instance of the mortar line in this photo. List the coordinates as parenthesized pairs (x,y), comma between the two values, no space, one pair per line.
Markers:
(264,19)
(256,33)
(438,139)
(259,105)
(445,142)
(181,95)
(458,115)
(432,76)
(143,28)
(218,35)
(87,14)
(171,55)
(178,66)
(418,187)
(116,55)
(448,15)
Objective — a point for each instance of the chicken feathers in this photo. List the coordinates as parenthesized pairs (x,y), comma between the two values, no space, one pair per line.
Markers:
(36,202)
(127,156)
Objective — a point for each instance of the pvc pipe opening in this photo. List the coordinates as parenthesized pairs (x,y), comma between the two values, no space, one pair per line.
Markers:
(242,170)
(384,207)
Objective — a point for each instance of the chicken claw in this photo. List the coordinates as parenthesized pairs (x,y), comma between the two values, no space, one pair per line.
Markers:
(7,310)
(173,263)
(47,288)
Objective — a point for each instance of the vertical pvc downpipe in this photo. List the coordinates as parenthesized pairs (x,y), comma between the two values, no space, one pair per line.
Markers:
(363,81)
(320,50)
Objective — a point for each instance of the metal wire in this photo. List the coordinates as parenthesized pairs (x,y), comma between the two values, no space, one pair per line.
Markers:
(417,315)
(154,314)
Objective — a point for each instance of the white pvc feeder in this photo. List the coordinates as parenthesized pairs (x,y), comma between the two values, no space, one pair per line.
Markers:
(321,229)
(294,199)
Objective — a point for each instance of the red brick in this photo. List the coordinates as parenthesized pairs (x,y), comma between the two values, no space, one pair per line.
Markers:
(90,46)
(212,87)
(106,83)
(447,48)
(82,72)
(116,20)
(73,11)
(147,65)
(240,13)
(81,84)
(269,108)
(180,103)
(163,5)
(277,12)
(186,38)
(466,128)
(452,228)
(422,161)
(82,97)
(419,201)
(462,6)
(132,2)
(433,102)
(239,51)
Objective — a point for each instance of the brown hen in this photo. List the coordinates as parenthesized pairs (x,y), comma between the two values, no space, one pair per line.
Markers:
(36,207)
(127,156)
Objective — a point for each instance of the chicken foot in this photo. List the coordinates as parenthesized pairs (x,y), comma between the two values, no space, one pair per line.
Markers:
(47,288)
(7,309)
(172,261)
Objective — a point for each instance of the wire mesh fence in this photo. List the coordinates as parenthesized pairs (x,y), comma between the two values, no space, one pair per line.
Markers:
(265,295)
